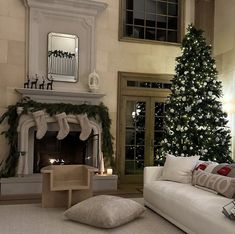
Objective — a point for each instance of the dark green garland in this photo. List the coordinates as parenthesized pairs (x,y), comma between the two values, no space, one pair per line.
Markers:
(95,111)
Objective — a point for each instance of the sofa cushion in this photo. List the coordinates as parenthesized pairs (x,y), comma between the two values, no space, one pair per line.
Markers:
(179,169)
(221,184)
(105,211)
(197,210)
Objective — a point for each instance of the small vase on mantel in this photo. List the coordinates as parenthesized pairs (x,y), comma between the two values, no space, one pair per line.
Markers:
(93,82)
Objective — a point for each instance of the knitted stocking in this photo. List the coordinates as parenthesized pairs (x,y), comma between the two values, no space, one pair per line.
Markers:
(63,126)
(85,127)
(41,123)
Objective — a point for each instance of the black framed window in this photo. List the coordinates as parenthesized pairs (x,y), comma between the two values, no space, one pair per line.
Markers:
(157,20)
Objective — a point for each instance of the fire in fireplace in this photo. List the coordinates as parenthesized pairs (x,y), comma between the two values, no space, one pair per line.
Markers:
(70,150)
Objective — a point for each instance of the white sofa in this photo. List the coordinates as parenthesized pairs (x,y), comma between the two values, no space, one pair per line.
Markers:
(190,208)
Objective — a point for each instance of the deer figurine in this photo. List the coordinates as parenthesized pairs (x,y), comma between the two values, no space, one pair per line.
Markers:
(26,84)
(34,83)
(41,86)
(50,83)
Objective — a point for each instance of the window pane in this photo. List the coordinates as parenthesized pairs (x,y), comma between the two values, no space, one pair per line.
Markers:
(159,109)
(130,138)
(156,154)
(128,31)
(139,32)
(145,84)
(158,123)
(150,20)
(157,85)
(139,18)
(158,136)
(130,167)
(139,167)
(139,5)
(131,83)
(172,9)
(162,8)
(167,86)
(130,152)
(172,36)
(129,17)
(150,34)
(140,137)
(172,23)
(161,21)
(151,6)
(129,4)
(161,35)
(140,152)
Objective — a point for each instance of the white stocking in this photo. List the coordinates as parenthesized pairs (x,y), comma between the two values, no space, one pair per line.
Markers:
(63,126)
(85,127)
(41,123)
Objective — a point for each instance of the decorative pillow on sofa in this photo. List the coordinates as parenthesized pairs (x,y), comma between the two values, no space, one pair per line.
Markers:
(179,169)
(221,184)
(225,169)
(207,166)
(105,211)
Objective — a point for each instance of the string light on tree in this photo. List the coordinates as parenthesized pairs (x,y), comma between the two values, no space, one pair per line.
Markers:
(194,115)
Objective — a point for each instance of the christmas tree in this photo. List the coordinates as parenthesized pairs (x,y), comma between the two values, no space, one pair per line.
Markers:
(195,123)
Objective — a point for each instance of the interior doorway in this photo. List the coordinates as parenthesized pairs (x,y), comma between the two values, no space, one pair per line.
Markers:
(141,112)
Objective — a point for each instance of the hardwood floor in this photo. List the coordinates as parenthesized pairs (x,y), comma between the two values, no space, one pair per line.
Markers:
(124,190)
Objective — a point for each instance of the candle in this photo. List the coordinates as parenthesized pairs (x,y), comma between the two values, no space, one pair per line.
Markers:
(109,171)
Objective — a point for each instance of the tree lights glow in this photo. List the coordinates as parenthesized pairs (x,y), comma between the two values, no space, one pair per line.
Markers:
(195,123)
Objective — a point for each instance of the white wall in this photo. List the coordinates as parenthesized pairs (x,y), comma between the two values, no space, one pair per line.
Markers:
(112,55)
(12,57)
(224,52)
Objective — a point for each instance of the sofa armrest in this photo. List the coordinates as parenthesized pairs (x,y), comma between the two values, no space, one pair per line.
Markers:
(152,173)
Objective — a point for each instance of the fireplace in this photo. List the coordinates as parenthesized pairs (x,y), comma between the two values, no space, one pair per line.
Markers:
(36,153)
(70,150)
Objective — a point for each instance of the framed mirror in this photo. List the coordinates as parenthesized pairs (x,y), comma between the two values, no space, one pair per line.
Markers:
(63,57)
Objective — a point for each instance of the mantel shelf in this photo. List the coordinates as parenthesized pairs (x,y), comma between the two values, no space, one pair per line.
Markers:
(54,96)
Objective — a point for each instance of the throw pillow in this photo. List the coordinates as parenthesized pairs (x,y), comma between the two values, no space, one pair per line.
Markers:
(225,169)
(179,169)
(221,184)
(207,166)
(105,211)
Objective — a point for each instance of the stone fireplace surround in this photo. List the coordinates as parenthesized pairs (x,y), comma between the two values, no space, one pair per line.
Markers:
(31,183)
(26,129)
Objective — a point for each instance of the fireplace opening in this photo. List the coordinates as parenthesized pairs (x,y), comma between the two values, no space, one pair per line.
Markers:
(70,150)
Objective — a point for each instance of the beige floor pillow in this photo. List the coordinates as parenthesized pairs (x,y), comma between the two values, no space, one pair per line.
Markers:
(105,211)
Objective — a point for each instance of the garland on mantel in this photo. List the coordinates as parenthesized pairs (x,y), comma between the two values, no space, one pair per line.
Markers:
(96,111)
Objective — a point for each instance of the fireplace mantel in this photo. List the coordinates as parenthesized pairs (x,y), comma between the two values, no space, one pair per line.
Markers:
(53,96)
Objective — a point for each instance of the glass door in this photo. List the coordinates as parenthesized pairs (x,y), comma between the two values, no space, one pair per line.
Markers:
(158,108)
(134,141)
(141,113)
(142,133)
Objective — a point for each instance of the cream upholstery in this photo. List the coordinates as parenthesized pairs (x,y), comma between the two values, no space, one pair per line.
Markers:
(192,209)
(65,185)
